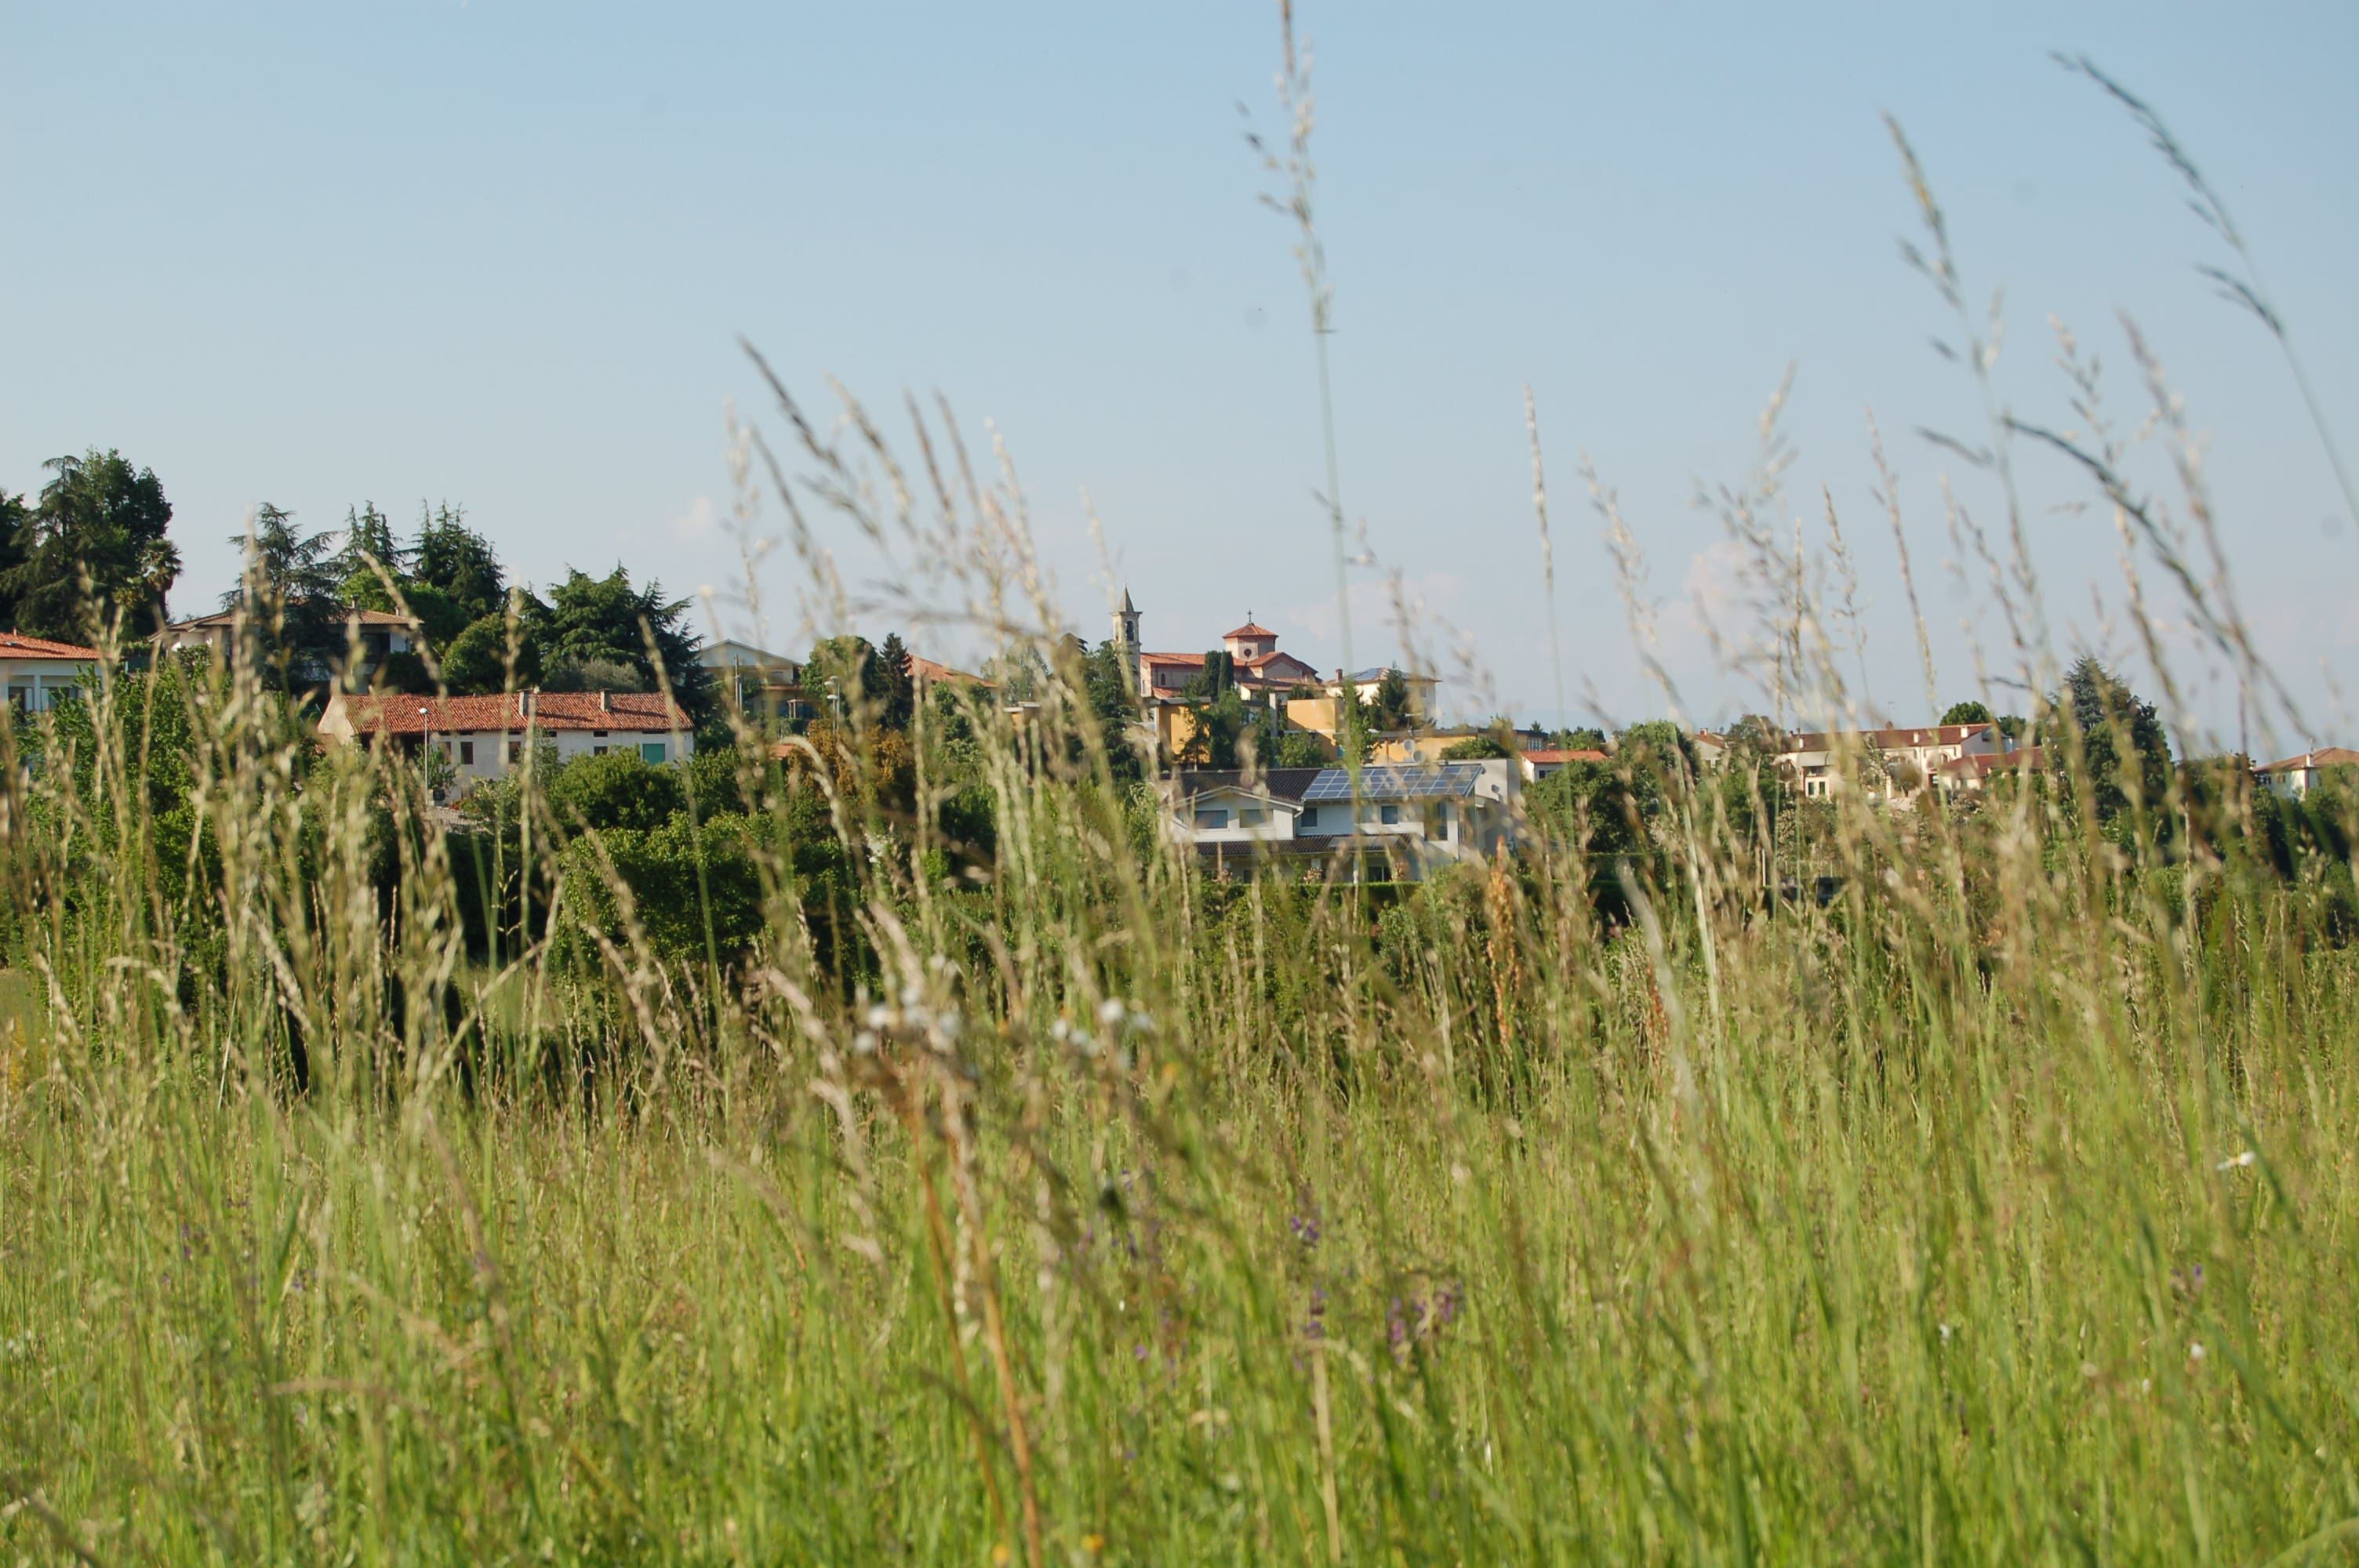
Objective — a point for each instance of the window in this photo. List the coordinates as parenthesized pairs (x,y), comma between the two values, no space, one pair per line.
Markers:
(467,754)
(1212,818)
(1310,817)
(597,750)
(1388,814)
(599,735)
(516,753)
(653,750)
(1252,817)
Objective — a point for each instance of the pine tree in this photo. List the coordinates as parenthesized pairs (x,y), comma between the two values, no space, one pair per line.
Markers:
(101,516)
(897,696)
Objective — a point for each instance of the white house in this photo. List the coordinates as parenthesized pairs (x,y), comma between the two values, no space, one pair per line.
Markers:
(1410,818)
(40,672)
(1907,759)
(1542,761)
(1232,817)
(483,737)
(2297,776)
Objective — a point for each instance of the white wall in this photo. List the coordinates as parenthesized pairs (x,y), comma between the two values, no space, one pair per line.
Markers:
(39,680)
(491,748)
(1277,818)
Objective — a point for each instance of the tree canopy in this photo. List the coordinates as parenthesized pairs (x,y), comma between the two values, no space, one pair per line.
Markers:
(289,593)
(99,515)
(2127,754)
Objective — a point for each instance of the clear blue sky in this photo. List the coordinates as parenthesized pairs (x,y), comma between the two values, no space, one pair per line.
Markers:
(499,254)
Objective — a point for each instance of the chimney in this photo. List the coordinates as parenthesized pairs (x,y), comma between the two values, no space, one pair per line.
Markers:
(602,705)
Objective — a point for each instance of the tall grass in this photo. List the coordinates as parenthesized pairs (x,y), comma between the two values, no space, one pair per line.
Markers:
(369,1193)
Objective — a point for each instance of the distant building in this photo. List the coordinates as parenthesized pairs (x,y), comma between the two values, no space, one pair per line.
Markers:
(2297,776)
(484,737)
(1263,673)
(1408,820)
(40,672)
(1971,771)
(1907,760)
(764,685)
(1541,763)
(924,673)
(380,634)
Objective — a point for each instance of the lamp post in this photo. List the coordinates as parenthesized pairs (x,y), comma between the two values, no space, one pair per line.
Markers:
(426,754)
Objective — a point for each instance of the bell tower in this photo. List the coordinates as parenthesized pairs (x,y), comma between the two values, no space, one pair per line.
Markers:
(1125,624)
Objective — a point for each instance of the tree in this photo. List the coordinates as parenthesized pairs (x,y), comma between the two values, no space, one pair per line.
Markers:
(844,677)
(1301,748)
(453,557)
(15,518)
(477,659)
(593,674)
(1109,684)
(369,536)
(619,790)
(293,631)
(592,621)
(1355,736)
(1390,710)
(898,694)
(98,515)
(1968,713)
(1218,675)
(1475,749)
(2127,756)
(1219,723)
(1583,738)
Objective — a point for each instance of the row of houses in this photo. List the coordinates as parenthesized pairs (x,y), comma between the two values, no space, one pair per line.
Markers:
(1415,803)
(1898,763)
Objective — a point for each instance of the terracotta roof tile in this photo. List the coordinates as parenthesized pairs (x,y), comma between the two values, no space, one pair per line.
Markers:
(2323,757)
(642,712)
(14,646)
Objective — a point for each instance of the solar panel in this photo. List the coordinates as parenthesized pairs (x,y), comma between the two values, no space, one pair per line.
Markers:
(1451,780)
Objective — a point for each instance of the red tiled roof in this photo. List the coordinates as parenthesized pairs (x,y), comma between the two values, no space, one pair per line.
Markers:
(2031,758)
(12,645)
(1250,629)
(1884,740)
(2324,757)
(1554,755)
(924,670)
(638,711)
(1173,658)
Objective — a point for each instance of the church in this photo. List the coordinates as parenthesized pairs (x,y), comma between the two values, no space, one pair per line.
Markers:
(1262,672)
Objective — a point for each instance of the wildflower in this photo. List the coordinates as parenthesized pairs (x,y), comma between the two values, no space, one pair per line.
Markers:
(2195,1351)
(2237,1161)
(1306,1230)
